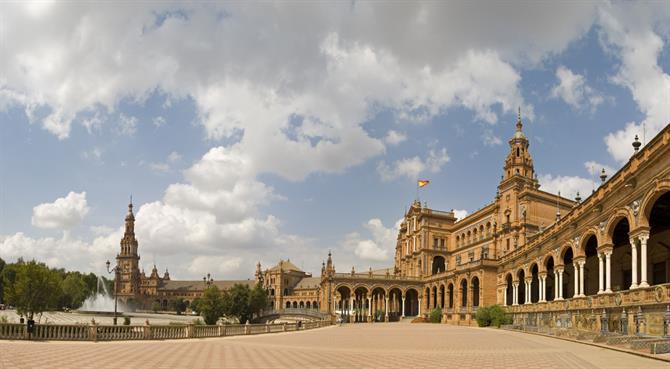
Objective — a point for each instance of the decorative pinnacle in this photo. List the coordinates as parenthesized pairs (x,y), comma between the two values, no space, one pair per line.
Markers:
(636,144)
(519,125)
(603,175)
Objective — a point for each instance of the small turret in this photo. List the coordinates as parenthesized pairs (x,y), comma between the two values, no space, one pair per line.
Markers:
(166,276)
(154,273)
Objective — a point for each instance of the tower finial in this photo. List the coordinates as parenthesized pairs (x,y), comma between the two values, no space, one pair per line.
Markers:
(519,125)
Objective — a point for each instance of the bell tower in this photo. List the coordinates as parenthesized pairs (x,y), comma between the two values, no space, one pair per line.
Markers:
(519,161)
(127,280)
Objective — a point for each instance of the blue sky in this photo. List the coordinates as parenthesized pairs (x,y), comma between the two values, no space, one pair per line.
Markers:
(253,132)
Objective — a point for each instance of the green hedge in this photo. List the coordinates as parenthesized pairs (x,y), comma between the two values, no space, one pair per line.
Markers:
(492,315)
(435,316)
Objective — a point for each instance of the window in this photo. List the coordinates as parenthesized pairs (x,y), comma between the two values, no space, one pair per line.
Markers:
(458,259)
(471,255)
(442,241)
(517,152)
(508,244)
(485,252)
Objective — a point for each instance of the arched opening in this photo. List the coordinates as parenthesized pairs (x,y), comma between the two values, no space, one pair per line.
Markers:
(438,265)
(658,245)
(568,287)
(591,266)
(395,304)
(344,304)
(464,293)
(535,284)
(295,304)
(361,306)
(285,291)
(288,304)
(308,305)
(302,305)
(550,282)
(315,305)
(379,308)
(475,292)
(411,302)
(621,273)
(450,299)
(521,290)
(435,297)
(442,296)
(509,291)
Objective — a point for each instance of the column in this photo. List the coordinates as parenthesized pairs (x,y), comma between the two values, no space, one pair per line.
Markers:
(386,307)
(600,273)
(560,284)
(643,263)
(528,292)
(369,306)
(608,271)
(351,303)
(633,256)
(581,278)
(575,268)
(543,288)
(403,306)
(419,306)
(555,284)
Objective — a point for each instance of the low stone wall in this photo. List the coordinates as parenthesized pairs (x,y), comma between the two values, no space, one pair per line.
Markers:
(82,332)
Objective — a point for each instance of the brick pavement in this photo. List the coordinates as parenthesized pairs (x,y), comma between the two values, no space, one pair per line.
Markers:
(352,346)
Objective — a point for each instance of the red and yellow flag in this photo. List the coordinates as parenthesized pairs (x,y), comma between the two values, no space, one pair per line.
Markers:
(422,182)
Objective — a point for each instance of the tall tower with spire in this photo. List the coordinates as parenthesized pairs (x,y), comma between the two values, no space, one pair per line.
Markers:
(127,281)
(519,162)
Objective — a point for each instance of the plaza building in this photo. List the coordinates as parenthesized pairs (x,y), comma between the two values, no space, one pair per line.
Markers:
(552,261)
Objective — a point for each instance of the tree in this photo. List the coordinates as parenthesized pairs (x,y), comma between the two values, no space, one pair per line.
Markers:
(75,291)
(211,305)
(258,300)
(2,266)
(195,305)
(155,306)
(179,305)
(35,289)
(236,302)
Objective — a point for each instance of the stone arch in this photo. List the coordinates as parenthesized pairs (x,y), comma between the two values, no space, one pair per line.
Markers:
(661,188)
(564,249)
(509,289)
(438,265)
(614,219)
(521,290)
(586,235)
(534,273)
(442,290)
(411,301)
(450,295)
(474,282)
(549,263)
(657,241)
(463,289)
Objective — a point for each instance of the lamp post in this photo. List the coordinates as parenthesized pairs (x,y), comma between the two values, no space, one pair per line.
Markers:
(208,280)
(115,270)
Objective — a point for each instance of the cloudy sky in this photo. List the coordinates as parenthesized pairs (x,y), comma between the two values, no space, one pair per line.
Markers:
(282,130)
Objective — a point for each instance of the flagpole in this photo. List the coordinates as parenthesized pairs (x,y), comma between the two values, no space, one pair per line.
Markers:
(417,191)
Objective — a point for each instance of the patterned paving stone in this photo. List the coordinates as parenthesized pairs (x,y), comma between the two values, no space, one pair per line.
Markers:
(352,346)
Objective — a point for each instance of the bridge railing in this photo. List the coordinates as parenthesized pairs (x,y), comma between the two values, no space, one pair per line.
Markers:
(296,311)
(84,332)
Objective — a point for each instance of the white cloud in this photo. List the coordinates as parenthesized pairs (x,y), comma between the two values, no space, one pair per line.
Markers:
(94,155)
(460,214)
(594,169)
(394,137)
(567,185)
(411,168)
(215,265)
(174,156)
(64,213)
(573,89)
(158,121)
(490,139)
(378,248)
(632,34)
(159,167)
(127,125)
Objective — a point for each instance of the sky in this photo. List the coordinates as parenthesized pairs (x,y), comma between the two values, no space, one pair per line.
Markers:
(251,132)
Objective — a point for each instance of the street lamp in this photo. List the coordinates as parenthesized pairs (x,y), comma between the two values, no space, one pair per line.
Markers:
(115,270)
(207,280)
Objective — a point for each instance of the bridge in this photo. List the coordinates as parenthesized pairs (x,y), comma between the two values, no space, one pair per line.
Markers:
(290,314)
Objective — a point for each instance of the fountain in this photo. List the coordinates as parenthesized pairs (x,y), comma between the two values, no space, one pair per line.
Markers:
(101,302)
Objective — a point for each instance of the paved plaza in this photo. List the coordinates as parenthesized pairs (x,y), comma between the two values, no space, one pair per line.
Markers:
(351,346)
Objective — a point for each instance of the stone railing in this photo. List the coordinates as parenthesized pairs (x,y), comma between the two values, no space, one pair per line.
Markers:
(84,332)
(366,275)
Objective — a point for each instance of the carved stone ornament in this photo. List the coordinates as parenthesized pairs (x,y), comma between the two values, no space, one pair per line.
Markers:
(635,206)
(602,226)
